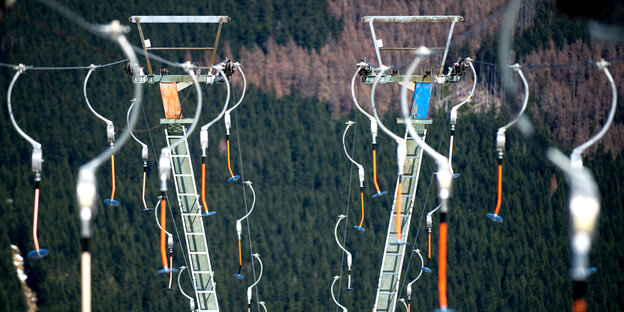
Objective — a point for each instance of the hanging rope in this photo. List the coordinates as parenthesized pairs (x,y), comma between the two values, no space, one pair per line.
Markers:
(110,136)
(228,122)
(175,227)
(239,230)
(360,175)
(453,118)
(249,289)
(144,158)
(373,128)
(444,178)
(346,214)
(36,166)
(333,297)
(500,147)
(401,156)
(349,257)
(240,160)
(203,138)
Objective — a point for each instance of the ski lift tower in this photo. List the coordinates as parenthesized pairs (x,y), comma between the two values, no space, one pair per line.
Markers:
(182,167)
(394,250)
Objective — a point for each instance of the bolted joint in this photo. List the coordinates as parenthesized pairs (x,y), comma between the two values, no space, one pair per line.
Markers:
(170,242)
(203,139)
(602,64)
(361,175)
(86,193)
(21,68)
(110,133)
(164,168)
(187,66)
(144,153)
(401,155)
(500,140)
(453,118)
(228,122)
(373,128)
(37,159)
(239,229)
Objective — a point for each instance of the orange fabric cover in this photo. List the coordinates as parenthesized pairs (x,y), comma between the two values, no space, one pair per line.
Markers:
(170,99)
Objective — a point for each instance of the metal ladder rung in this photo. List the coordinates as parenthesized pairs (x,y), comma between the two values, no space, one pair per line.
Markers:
(182,175)
(386,292)
(390,273)
(205,291)
(191,214)
(393,254)
(186,191)
(403,215)
(409,176)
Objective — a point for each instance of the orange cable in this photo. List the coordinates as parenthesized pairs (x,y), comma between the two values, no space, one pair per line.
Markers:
(579,305)
(240,257)
(163,225)
(442,267)
(227,142)
(398,210)
(203,185)
(429,245)
(500,188)
(362,204)
(375,169)
(35,218)
(113,172)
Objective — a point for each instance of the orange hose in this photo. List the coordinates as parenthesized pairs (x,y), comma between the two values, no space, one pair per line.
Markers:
(362,204)
(398,210)
(429,245)
(442,267)
(163,225)
(203,184)
(375,169)
(35,218)
(579,305)
(500,188)
(240,257)
(113,171)
(227,142)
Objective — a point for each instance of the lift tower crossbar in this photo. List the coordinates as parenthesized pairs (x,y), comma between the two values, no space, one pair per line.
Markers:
(178,19)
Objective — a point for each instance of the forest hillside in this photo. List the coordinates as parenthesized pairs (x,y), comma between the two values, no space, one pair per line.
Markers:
(286,138)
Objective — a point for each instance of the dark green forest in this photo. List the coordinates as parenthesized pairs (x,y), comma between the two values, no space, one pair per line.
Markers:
(291,148)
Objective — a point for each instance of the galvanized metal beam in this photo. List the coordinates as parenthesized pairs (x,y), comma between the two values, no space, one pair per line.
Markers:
(149,66)
(413,19)
(181,48)
(180,19)
(399,78)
